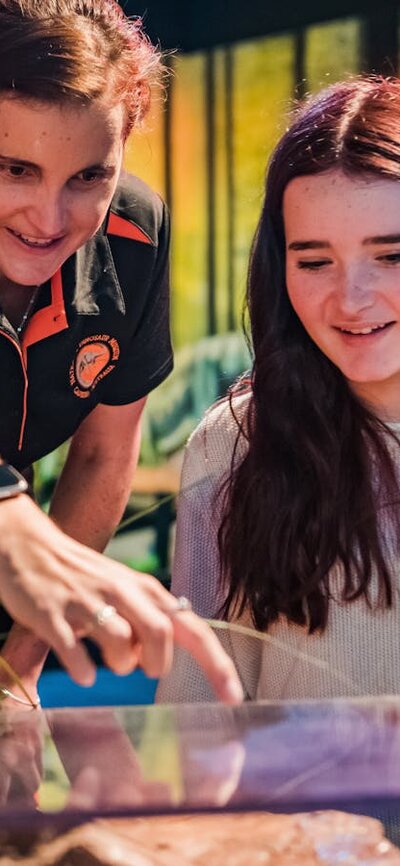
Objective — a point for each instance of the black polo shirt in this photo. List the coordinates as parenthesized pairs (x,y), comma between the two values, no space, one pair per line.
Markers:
(99,332)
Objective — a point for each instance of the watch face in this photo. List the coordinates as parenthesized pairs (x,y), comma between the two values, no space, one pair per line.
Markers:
(8,476)
(11,481)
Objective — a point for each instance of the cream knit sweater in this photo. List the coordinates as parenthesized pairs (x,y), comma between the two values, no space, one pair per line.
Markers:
(359,652)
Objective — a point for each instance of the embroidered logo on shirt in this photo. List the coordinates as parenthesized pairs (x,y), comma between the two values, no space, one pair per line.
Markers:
(94,359)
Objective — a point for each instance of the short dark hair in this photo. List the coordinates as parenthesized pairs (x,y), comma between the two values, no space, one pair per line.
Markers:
(77,51)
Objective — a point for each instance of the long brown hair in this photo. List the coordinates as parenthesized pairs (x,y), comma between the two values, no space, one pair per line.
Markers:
(302,499)
(76,51)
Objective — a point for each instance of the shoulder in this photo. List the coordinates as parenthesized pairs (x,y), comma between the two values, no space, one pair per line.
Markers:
(224,420)
(136,204)
(211,446)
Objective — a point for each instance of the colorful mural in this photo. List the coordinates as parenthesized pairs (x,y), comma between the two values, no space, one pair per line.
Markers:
(206,147)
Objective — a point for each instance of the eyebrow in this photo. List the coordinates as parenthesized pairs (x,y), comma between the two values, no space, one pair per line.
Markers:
(106,167)
(323,245)
(16,161)
(383,239)
(308,245)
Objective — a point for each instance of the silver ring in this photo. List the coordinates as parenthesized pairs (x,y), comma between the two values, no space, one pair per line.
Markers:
(182,605)
(104,614)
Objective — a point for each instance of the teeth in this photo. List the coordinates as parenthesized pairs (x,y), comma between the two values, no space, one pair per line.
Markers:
(34,242)
(362,330)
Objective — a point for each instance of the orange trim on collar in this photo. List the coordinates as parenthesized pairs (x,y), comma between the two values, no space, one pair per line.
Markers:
(125,229)
(50,320)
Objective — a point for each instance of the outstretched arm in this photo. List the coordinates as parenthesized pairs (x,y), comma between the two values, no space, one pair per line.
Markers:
(54,586)
(89,501)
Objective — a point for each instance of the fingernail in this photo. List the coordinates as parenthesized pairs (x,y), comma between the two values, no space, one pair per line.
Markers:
(87,679)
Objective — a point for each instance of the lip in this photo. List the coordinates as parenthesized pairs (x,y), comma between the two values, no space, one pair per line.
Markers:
(358,326)
(52,245)
(379,333)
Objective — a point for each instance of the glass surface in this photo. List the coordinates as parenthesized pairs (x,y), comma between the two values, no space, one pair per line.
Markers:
(137,760)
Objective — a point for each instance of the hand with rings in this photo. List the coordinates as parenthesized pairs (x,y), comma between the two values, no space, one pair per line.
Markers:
(62,591)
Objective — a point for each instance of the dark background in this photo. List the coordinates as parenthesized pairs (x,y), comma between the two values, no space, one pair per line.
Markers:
(192,26)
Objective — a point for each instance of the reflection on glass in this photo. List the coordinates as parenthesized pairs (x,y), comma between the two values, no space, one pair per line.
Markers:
(155,760)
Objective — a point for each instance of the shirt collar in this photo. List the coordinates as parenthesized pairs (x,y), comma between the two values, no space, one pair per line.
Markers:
(96,276)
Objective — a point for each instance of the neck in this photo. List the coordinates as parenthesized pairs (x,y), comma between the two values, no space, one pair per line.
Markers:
(17,302)
(8,287)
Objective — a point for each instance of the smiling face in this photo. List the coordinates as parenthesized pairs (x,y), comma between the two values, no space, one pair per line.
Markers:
(343,277)
(59,166)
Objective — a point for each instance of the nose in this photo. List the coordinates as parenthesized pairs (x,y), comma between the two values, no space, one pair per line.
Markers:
(355,292)
(48,213)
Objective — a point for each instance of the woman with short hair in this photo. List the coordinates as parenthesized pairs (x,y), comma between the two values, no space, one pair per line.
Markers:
(84,337)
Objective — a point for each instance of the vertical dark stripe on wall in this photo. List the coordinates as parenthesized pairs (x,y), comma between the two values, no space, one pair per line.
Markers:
(381,40)
(210,169)
(167,130)
(230,184)
(299,65)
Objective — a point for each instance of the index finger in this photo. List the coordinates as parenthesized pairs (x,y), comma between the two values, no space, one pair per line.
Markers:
(195,636)
(150,609)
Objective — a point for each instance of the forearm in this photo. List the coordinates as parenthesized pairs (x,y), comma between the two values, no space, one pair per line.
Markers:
(91,496)
(88,504)
(96,481)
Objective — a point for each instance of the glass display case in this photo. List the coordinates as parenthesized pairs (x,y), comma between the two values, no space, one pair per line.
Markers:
(202,785)
(61,765)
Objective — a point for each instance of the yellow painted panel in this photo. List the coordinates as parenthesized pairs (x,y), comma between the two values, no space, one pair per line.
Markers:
(332,51)
(221,193)
(263,86)
(144,152)
(189,202)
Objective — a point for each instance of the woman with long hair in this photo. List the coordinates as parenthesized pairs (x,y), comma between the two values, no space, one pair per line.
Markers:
(84,337)
(289,519)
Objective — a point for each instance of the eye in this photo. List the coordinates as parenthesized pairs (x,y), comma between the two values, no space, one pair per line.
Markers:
(89,177)
(389,258)
(313,265)
(17,170)
(14,170)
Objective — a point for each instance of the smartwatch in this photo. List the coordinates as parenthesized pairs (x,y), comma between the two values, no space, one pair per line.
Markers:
(12,483)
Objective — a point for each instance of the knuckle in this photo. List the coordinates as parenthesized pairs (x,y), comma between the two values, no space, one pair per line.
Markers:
(44,608)
(149,583)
